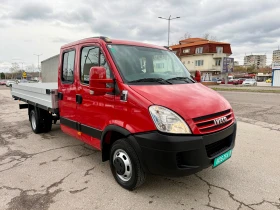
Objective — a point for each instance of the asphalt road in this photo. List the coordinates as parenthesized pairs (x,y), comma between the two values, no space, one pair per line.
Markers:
(264,107)
(55,171)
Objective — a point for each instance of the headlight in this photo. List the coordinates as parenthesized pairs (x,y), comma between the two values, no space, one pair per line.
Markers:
(168,121)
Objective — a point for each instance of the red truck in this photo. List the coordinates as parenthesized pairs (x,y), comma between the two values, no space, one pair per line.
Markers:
(137,104)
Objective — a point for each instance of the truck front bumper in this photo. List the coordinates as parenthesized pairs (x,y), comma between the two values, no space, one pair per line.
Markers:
(181,155)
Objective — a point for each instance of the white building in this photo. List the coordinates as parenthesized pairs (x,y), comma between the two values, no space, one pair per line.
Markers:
(259,61)
(276,56)
(203,55)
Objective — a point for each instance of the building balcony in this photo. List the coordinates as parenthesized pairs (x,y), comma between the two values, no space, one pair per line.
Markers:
(216,68)
(219,55)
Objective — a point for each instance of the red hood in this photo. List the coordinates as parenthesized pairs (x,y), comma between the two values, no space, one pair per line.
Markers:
(188,100)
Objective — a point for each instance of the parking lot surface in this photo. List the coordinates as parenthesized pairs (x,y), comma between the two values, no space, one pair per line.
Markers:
(55,171)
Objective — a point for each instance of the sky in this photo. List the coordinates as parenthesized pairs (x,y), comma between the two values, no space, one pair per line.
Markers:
(29,27)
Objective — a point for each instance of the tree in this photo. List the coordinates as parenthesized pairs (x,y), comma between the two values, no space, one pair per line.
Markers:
(210,37)
(206,36)
(30,68)
(187,35)
(240,69)
(14,69)
(2,75)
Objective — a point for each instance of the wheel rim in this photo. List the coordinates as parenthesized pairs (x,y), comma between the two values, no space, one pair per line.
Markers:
(122,164)
(33,121)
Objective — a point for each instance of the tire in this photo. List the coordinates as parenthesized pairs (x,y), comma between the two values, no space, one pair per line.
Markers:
(131,176)
(34,122)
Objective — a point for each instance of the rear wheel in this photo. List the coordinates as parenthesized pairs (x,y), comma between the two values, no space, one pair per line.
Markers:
(34,121)
(126,166)
(40,120)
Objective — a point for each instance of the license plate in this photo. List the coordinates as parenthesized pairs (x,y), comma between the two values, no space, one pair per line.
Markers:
(222,158)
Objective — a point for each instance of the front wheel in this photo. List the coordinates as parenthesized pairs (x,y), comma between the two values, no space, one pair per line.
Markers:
(125,165)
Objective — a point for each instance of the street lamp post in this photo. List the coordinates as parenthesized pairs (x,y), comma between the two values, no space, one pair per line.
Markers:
(38,55)
(168,24)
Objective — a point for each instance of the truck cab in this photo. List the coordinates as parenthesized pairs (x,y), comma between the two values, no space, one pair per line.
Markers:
(139,105)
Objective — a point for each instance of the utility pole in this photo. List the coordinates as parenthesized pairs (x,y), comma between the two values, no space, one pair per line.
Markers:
(38,55)
(168,25)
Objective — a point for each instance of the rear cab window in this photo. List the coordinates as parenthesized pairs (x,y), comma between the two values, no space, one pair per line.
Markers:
(68,67)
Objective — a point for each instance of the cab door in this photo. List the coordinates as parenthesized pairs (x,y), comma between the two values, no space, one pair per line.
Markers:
(95,112)
(67,92)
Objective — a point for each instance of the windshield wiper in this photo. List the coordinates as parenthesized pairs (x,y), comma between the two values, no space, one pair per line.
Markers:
(186,79)
(159,80)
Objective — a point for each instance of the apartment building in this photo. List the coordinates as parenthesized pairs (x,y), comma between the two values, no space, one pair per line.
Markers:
(276,56)
(259,61)
(208,57)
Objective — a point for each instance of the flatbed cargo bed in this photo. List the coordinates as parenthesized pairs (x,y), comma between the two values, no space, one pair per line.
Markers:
(43,95)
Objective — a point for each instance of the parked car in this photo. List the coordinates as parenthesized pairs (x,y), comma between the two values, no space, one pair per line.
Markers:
(3,82)
(9,83)
(250,82)
(23,81)
(235,82)
(239,81)
(230,81)
(268,80)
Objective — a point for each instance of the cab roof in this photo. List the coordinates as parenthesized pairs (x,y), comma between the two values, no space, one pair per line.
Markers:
(111,41)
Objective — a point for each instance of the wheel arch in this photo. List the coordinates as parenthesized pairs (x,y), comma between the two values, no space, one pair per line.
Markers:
(111,134)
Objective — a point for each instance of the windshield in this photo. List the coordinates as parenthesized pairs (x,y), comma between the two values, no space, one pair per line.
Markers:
(142,64)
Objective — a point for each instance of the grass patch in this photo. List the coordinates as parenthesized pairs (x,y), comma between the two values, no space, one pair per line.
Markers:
(245,90)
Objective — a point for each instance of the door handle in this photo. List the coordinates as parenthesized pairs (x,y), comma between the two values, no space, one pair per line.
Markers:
(60,96)
(79,99)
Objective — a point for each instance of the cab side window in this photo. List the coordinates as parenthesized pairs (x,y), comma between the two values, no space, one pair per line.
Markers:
(90,57)
(68,67)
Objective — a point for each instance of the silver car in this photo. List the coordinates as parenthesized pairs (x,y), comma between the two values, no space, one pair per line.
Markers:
(249,82)
(9,83)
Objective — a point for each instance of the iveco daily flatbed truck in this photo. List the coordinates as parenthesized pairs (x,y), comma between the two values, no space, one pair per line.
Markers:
(136,103)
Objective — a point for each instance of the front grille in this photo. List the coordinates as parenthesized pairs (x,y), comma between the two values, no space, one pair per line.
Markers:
(205,124)
(218,146)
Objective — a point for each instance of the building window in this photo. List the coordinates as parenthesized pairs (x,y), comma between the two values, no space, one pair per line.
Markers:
(186,50)
(189,62)
(199,63)
(217,62)
(198,50)
(219,49)
(68,66)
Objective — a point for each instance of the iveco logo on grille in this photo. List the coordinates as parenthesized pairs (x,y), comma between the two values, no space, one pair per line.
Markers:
(219,121)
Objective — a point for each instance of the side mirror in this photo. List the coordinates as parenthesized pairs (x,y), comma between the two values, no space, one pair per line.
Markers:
(97,81)
(197,76)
